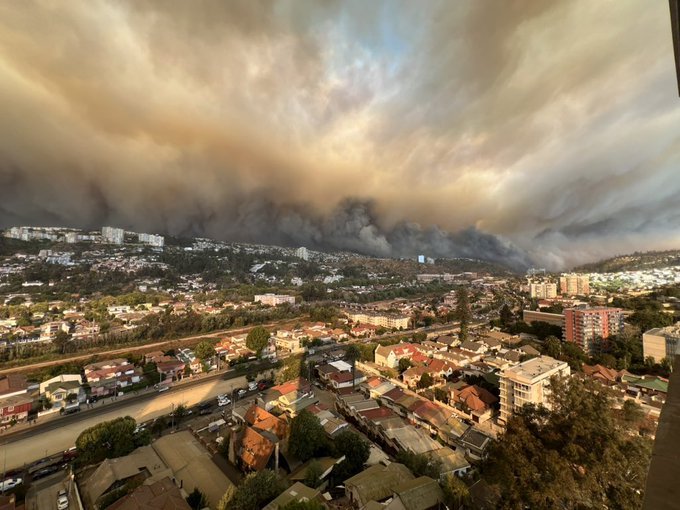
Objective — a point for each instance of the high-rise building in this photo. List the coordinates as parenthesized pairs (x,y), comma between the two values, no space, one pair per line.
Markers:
(660,343)
(302,253)
(543,290)
(274,299)
(587,326)
(113,235)
(151,240)
(529,383)
(574,284)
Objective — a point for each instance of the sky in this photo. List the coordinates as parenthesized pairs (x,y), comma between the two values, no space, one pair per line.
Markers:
(541,133)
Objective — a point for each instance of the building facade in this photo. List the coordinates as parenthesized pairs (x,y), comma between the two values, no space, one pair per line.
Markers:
(381,320)
(531,316)
(529,383)
(575,284)
(302,253)
(274,299)
(113,235)
(587,326)
(543,290)
(151,240)
(660,343)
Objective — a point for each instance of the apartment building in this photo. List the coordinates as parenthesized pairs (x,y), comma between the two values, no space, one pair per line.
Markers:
(587,326)
(543,290)
(274,299)
(660,343)
(528,383)
(574,284)
(151,240)
(388,321)
(302,253)
(531,316)
(113,235)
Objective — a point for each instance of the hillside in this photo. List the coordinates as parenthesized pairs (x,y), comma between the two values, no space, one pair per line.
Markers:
(633,262)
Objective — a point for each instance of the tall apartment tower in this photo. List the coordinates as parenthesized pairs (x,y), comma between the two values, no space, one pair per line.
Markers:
(575,284)
(660,343)
(113,235)
(543,290)
(529,383)
(585,326)
(302,253)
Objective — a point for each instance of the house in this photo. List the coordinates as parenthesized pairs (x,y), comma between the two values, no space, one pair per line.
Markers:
(290,397)
(475,401)
(474,443)
(63,389)
(296,492)
(257,445)
(453,462)
(15,408)
(376,483)
(171,369)
(411,376)
(162,494)
(340,380)
(12,385)
(288,341)
(331,422)
(105,376)
(389,355)
(606,376)
(474,347)
(422,493)
(49,330)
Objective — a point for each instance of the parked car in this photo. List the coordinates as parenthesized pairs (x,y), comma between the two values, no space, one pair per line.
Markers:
(223,402)
(10,483)
(62,500)
(163,388)
(42,473)
(204,405)
(252,386)
(241,392)
(204,412)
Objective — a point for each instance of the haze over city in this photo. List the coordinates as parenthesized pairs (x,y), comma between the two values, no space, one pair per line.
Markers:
(532,133)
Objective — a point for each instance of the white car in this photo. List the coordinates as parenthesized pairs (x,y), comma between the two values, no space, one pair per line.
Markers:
(241,392)
(10,483)
(223,402)
(62,500)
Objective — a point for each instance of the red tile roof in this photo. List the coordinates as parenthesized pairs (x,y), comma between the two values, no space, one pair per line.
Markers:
(263,420)
(256,449)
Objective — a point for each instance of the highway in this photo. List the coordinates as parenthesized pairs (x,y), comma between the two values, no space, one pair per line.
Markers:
(54,436)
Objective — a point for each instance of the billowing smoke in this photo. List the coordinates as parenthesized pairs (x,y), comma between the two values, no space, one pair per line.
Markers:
(508,131)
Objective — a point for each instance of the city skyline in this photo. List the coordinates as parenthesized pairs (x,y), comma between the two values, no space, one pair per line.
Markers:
(521,133)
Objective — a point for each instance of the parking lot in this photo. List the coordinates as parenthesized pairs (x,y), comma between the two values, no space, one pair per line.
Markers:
(42,494)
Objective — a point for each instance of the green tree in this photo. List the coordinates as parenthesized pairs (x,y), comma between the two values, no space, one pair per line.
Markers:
(506,316)
(108,440)
(425,381)
(61,342)
(307,436)
(356,451)
(463,312)
(223,503)
(570,456)
(257,339)
(404,364)
(179,413)
(441,395)
(352,354)
(204,350)
(647,319)
(313,474)
(419,337)
(255,491)
(420,464)
(197,500)
(456,493)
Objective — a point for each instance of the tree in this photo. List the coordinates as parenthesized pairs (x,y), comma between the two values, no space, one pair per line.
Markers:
(256,490)
(108,440)
(224,501)
(313,475)
(61,342)
(352,354)
(441,395)
(404,364)
(179,413)
(158,426)
(463,313)
(356,451)
(419,337)
(307,436)
(197,500)
(425,381)
(257,339)
(420,464)
(506,316)
(204,350)
(456,493)
(570,456)
(647,319)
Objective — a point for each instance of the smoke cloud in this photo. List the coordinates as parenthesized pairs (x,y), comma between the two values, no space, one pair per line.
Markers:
(519,132)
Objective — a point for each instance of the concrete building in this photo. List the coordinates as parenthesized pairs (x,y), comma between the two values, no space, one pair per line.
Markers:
(151,240)
(112,235)
(574,284)
(302,253)
(587,326)
(660,343)
(381,320)
(274,299)
(543,290)
(531,316)
(528,383)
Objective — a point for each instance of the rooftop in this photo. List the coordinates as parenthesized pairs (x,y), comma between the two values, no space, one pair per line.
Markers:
(536,368)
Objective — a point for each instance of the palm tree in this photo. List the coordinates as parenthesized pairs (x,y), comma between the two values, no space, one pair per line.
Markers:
(352,354)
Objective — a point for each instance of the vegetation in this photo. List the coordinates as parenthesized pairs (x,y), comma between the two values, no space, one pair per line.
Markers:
(257,339)
(108,440)
(204,350)
(256,490)
(356,451)
(463,312)
(307,436)
(578,455)
(197,500)
(420,465)
(303,505)
(425,381)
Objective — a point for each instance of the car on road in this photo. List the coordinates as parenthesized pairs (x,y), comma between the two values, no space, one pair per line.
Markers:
(62,500)
(163,388)
(10,483)
(205,405)
(46,471)
(204,412)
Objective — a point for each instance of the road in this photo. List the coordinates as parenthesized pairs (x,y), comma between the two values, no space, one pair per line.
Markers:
(135,348)
(28,446)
